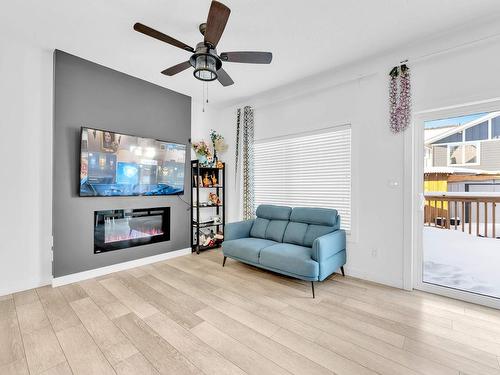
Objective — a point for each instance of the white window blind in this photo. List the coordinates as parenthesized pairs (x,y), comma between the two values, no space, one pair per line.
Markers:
(307,170)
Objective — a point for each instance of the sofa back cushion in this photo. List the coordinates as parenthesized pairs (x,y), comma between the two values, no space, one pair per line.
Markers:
(259,228)
(295,233)
(307,224)
(276,229)
(271,212)
(314,215)
(271,222)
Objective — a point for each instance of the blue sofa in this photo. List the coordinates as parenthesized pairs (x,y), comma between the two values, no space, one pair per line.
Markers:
(305,243)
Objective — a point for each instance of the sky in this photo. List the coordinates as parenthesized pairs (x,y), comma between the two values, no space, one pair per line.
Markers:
(452,121)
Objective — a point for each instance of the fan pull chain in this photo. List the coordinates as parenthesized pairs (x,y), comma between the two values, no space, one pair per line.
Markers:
(203,88)
(207,92)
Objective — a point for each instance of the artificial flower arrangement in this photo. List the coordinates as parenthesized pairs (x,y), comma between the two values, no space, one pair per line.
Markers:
(205,154)
(218,142)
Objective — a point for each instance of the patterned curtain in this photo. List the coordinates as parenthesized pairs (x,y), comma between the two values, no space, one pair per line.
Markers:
(244,150)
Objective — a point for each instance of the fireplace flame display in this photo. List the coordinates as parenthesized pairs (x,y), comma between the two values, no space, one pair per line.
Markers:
(118,229)
(134,234)
(132,228)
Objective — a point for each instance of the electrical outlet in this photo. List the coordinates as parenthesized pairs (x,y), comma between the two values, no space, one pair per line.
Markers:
(374,253)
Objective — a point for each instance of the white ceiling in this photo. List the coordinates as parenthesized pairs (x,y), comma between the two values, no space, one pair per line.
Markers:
(306,37)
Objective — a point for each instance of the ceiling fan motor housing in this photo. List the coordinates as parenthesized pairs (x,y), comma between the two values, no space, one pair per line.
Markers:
(202,28)
(205,62)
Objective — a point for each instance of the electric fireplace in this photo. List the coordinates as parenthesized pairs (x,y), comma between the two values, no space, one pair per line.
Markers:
(120,229)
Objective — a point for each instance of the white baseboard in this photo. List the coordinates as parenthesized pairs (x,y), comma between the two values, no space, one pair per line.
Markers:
(376,278)
(22,286)
(79,276)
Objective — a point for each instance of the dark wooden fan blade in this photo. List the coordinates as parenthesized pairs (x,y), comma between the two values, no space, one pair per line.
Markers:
(160,36)
(216,22)
(173,70)
(224,78)
(249,57)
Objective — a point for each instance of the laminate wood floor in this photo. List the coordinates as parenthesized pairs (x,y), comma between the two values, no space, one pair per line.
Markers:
(189,315)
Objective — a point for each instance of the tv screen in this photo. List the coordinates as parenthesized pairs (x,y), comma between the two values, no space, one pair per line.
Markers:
(114,164)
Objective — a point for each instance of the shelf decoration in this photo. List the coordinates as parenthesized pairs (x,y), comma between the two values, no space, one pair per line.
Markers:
(207,182)
(203,152)
(212,197)
(210,239)
(218,144)
(400,98)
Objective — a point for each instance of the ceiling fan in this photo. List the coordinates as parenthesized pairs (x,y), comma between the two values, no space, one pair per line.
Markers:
(206,62)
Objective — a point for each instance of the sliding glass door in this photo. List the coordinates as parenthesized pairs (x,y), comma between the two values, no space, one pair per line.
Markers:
(458,228)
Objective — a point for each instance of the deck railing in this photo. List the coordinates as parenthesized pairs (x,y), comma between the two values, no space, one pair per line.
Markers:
(474,213)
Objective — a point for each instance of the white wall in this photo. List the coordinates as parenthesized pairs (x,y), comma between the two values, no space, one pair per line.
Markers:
(26,166)
(466,75)
(224,122)
(458,76)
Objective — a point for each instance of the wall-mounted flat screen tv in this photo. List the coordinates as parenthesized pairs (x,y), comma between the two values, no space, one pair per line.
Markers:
(114,164)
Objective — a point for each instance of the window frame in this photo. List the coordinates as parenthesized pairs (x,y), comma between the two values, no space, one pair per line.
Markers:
(463,144)
(490,135)
(488,123)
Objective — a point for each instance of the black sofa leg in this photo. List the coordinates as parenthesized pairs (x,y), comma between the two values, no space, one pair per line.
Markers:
(342,270)
(312,286)
(224,261)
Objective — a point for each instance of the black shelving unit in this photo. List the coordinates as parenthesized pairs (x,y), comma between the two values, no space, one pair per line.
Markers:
(198,173)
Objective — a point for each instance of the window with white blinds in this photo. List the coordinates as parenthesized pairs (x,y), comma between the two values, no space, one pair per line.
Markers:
(307,170)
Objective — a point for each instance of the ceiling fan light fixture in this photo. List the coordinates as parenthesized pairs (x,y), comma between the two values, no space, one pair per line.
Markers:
(205,68)
(206,62)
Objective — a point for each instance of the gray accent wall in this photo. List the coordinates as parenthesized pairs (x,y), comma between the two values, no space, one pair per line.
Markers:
(88,94)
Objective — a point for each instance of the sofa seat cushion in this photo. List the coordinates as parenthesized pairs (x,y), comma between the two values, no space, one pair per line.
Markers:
(290,258)
(246,248)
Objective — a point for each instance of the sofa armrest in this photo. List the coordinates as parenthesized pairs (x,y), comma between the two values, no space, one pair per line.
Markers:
(239,229)
(328,245)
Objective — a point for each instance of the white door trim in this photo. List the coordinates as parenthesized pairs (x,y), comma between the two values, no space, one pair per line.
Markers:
(413,192)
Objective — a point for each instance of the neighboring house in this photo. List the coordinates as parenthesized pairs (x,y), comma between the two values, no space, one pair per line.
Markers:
(474,145)
(463,158)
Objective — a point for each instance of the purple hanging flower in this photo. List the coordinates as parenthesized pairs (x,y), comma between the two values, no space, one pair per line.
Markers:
(400,107)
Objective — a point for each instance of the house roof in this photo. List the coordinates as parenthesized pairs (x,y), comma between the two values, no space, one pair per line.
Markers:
(436,132)
(432,135)
(459,170)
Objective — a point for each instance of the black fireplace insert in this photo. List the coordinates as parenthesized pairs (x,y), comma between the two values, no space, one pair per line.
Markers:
(119,229)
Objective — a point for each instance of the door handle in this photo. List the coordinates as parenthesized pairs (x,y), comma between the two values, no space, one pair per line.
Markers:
(421,199)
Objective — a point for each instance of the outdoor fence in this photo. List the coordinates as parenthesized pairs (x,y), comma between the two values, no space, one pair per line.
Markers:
(473,213)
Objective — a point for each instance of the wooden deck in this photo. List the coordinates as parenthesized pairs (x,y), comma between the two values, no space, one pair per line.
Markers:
(449,210)
(189,315)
